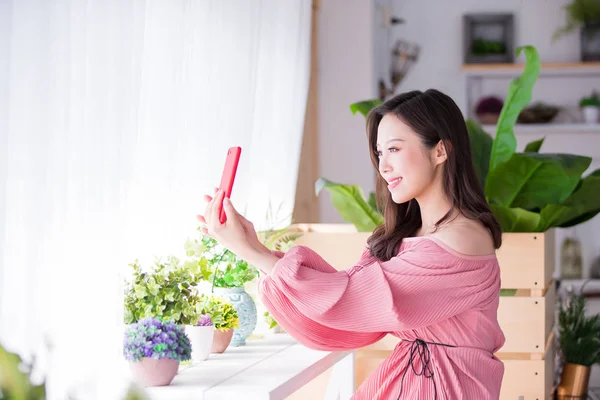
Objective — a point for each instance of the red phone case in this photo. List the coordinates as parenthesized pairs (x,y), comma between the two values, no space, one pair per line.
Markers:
(231,164)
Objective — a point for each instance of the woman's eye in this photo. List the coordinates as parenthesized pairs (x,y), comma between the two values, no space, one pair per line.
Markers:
(378,153)
(393,149)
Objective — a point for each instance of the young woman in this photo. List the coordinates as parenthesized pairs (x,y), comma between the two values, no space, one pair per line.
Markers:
(429,275)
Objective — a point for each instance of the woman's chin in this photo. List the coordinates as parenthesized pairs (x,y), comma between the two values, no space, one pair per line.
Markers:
(400,198)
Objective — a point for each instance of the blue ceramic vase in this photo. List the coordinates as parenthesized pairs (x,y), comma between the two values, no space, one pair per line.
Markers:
(246,309)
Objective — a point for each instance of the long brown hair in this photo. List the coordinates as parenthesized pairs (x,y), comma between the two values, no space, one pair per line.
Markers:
(433,116)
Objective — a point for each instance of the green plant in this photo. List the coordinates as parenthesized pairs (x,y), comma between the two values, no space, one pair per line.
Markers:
(277,239)
(16,383)
(579,335)
(218,264)
(222,313)
(270,320)
(591,101)
(579,12)
(527,192)
(15,378)
(167,291)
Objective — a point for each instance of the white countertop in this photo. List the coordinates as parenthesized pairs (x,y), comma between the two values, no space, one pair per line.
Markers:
(270,368)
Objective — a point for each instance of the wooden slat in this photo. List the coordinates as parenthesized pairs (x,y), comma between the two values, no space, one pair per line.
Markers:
(518,66)
(527,260)
(526,322)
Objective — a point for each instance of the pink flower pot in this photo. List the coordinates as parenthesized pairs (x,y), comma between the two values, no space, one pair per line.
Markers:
(150,372)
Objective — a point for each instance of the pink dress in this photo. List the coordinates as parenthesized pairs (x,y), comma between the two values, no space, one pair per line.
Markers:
(441,303)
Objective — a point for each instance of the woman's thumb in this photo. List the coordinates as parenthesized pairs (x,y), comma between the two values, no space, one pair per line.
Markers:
(228,207)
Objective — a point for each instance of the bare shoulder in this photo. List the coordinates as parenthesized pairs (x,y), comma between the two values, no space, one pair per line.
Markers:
(467,236)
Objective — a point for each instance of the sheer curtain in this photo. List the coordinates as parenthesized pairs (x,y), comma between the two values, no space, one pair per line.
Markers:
(115,118)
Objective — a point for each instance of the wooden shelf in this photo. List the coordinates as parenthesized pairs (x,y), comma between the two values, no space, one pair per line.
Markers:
(575,68)
(549,128)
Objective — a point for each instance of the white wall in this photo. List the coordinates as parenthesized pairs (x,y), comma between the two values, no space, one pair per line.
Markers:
(346,75)
(437,27)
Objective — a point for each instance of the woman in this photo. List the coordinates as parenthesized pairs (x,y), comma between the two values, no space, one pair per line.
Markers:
(429,274)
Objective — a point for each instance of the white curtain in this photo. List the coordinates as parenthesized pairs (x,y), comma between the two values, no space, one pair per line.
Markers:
(115,118)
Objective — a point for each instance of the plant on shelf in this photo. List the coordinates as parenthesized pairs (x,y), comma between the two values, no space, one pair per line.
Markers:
(228,274)
(221,313)
(590,107)
(154,349)
(219,265)
(527,192)
(579,339)
(224,318)
(167,291)
(579,13)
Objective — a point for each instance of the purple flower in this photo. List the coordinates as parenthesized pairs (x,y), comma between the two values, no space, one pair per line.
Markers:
(204,320)
(154,338)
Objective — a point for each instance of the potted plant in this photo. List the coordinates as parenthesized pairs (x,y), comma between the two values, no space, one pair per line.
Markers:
(168,290)
(227,274)
(590,107)
(154,349)
(584,14)
(579,338)
(224,318)
(201,336)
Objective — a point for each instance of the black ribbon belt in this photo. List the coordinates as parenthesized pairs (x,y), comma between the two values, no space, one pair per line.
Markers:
(420,349)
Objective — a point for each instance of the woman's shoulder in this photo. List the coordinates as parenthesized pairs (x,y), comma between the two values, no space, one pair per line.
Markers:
(467,237)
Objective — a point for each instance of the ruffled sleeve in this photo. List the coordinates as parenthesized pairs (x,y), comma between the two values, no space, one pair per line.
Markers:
(328,309)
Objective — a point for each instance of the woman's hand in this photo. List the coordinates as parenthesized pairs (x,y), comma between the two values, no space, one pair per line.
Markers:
(237,234)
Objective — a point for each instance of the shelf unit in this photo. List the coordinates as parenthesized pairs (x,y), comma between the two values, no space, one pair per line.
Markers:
(475,74)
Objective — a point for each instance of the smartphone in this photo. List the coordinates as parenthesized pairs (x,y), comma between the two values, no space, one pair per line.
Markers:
(231,164)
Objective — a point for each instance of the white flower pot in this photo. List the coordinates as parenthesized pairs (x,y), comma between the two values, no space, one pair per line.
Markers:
(201,339)
(590,114)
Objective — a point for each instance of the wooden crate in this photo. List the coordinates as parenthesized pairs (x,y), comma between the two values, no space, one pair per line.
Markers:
(528,379)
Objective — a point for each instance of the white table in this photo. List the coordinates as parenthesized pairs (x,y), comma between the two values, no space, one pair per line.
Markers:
(271,368)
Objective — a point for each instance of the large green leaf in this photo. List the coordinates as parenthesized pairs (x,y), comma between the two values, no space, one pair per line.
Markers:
(350,202)
(581,206)
(535,146)
(516,219)
(535,180)
(519,95)
(364,106)
(481,147)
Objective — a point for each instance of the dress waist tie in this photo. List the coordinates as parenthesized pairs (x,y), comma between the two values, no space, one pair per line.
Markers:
(419,350)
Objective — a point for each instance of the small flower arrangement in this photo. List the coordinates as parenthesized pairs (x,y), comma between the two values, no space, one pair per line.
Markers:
(222,314)
(205,320)
(157,339)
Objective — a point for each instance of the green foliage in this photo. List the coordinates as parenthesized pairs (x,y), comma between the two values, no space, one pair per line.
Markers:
(15,378)
(579,335)
(270,320)
(578,13)
(222,313)
(364,107)
(352,204)
(217,264)
(591,101)
(167,291)
(527,192)
(519,95)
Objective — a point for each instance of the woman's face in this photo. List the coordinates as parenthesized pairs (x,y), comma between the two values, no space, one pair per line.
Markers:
(404,162)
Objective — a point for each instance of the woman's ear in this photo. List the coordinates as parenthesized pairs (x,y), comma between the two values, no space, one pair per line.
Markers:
(440,153)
